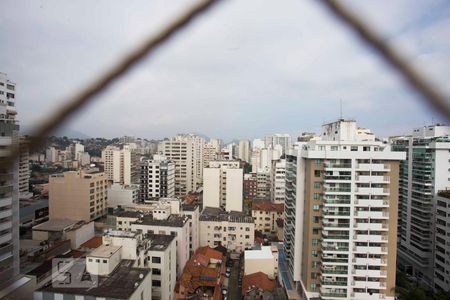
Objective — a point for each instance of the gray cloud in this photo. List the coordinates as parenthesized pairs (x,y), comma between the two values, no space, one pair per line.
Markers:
(246,69)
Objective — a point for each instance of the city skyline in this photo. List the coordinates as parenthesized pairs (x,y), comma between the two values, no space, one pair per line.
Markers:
(234,85)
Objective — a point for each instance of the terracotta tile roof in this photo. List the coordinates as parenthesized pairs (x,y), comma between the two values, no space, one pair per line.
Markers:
(194,277)
(93,243)
(268,206)
(257,280)
(198,260)
(210,252)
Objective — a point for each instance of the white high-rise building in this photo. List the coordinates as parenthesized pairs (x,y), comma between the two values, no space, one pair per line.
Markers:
(121,165)
(284,140)
(278,181)
(244,150)
(9,185)
(157,178)
(51,155)
(24,170)
(186,151)
(223,185)
(425,172)
(341,205)
(211,151)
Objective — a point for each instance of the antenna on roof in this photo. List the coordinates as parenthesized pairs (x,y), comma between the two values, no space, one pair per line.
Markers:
(340,109)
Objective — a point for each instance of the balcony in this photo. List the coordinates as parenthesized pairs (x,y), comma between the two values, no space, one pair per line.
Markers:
(328,190)
(337,178)
(372,191)
(369,273)
(373,179)
(372,214)
(335,201)
(372,203)
(369,284)
(5,213)
(372,250)
(5,201)
(371,238)
(333,282)
(373,167)
(335,225)
(370,226)
(370,261)
(337,166)
(332,295)
(333,270)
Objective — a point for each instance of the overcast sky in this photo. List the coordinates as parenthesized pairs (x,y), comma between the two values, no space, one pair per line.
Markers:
(246,69)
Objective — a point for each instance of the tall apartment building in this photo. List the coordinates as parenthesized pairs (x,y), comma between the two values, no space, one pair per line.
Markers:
(186,151)
(9,185)
(77,195)
(284,140)
(51,155)
(157,178)
(263,184)
(341,215)
(425,172)
(278,181)
(250,186)
(211,151)
(222,185)
(24,170)
(442,242)
(192,211)
(244,150)
(121,164)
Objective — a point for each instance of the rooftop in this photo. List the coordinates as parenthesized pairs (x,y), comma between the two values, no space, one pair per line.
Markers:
(129,214)
(57,225)
(120,284)
(104,251)
(257,280)
(93,243)
(210,252)
(189,207)
(218,214)
(268,206)
(264,253)
(160,242)
(171,221)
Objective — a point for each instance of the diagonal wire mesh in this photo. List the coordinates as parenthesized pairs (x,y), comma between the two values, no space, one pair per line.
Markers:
(416,80)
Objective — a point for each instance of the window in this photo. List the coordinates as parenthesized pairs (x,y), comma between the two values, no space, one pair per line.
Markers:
(316,173)
(156,260)
(317,184)
(354,148)
(105,261)
(316,196)
(156,282)
(317,162)
(316,207)
(156,271)
(315,242)
(334,148)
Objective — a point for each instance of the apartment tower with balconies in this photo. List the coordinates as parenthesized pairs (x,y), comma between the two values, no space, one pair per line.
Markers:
(341,215)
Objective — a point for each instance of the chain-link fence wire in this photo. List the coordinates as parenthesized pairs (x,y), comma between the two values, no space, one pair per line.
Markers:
(417,82)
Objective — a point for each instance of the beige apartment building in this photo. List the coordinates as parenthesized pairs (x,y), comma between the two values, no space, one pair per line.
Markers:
(341,215)
(77,195)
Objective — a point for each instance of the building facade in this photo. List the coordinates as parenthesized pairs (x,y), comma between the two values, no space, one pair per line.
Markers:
(422,175)
(244,150)
(78,195)
(157,178)
(121,164)
(341,215)
(278,181)
(9,184)
(233,230)
(222,185)
(186,151)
